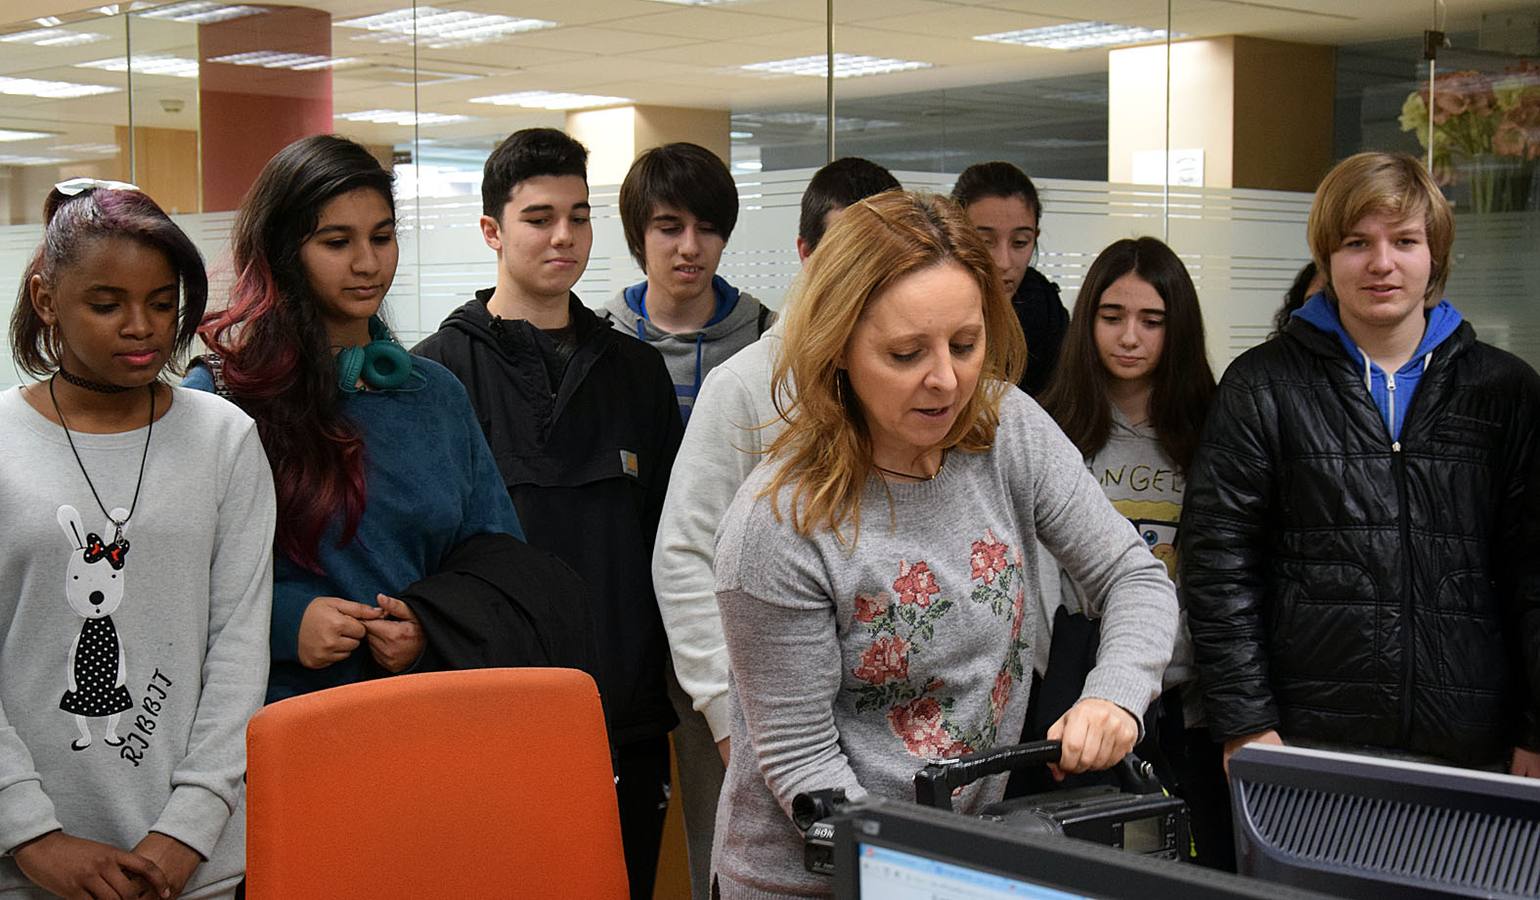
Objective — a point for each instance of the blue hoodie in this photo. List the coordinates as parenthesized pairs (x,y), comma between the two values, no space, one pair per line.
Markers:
(1391,393)
(737,320)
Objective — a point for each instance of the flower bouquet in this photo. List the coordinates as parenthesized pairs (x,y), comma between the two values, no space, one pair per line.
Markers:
(1485,131)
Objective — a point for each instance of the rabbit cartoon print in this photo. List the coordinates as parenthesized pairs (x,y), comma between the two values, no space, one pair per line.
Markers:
(96,669)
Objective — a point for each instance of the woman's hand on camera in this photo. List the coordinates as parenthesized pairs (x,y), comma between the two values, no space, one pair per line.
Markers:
(1093,735)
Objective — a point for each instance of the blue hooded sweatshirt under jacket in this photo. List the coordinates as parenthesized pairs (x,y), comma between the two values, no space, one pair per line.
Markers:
(1392,394)
(737,320)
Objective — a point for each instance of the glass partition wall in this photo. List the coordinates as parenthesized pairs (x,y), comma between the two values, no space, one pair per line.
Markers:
(1205,122)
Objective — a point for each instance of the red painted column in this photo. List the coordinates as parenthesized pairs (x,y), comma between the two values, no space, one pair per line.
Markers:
(248,113)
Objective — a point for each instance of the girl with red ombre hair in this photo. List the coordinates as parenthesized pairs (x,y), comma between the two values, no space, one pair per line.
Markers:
(379,463)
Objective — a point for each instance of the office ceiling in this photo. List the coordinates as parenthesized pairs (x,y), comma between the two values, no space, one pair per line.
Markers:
(666,53)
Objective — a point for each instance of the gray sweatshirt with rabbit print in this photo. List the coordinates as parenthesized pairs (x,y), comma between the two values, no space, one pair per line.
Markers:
(129,667)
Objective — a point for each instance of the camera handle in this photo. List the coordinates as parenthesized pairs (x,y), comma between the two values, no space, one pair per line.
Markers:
(934,784)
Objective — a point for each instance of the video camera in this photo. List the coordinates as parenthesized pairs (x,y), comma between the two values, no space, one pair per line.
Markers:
(1135,814)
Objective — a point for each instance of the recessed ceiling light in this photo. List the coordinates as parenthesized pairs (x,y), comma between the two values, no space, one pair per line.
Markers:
(814,120)
(7,159)
(846,65)
(401,117)
(146,64)
(1078,36)
(273,59)
(439,28)
(201,12)
(49,21)
(551,100)
(89,151)
(9,134)
(51,90)
(53,37)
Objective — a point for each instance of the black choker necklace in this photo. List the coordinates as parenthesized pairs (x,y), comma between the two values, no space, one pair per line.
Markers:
(918,478)
(88,384)
(117,524)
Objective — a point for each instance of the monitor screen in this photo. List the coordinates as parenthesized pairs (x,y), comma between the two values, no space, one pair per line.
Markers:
(901,851)
(888,874)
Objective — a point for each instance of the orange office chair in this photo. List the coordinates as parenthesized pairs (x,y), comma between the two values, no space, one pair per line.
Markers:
(479,783)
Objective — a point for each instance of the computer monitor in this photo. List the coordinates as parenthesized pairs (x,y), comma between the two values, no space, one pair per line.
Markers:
(1360,826)
(900,851)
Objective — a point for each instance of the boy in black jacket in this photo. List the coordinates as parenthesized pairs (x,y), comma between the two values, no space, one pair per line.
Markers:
(1358,540)
(584,426)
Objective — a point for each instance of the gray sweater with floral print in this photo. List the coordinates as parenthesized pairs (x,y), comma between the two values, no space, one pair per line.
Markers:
(851,668)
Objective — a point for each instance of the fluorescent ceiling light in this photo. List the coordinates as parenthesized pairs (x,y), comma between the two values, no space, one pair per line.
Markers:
(53,37)
(51,90)
(846,65)
(7,159)
(551,100)
(815,120)
(201,12)
(146,64)
(89,151)
(440,28)
(401,117)
(8,134)
(49,21)
(740,135)
(273,59)
(1078,36)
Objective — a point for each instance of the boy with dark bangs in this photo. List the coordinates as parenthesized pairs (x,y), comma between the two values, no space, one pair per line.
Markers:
(678,205)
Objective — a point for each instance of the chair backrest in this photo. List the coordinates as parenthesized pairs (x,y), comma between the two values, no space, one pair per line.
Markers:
(478,783)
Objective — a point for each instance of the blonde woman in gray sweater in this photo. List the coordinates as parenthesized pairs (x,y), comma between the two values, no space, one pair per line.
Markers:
(873,575)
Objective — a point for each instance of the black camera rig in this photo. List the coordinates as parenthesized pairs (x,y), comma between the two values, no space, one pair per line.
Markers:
(1134,814)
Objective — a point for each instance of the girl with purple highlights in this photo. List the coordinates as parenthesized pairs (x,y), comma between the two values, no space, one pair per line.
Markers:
(136,573)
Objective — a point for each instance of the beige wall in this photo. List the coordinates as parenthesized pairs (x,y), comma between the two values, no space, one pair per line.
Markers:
(1201,105)
(1247,103)
(614,137)
(711,128)
(24,188)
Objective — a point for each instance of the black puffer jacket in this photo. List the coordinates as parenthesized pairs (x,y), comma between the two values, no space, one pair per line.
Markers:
(1344,589)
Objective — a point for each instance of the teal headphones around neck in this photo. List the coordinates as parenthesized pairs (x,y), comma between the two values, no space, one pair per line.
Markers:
(383,364)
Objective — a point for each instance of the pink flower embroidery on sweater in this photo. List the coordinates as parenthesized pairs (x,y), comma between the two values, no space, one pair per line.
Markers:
(988,557)
(887,659)
(1018,612)
(1001,695)
(920,723)
(870,607)
(915,584)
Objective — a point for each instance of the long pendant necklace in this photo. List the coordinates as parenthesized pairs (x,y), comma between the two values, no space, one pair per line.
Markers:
(116,523)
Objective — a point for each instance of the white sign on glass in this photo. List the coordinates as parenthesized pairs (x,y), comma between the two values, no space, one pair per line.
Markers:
(1183,167)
